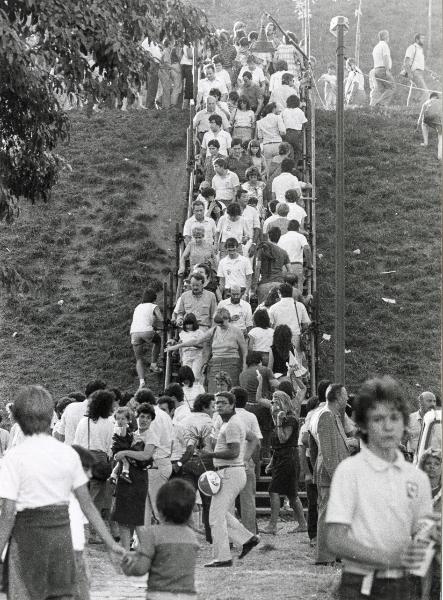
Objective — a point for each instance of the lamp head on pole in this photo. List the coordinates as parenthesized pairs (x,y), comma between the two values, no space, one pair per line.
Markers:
(262,48)
(337,22)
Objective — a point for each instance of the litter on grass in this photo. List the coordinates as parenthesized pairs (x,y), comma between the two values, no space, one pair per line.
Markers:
(356,251)
(15,334)
(389,300)
(347,351)
(326,337)
(387,272)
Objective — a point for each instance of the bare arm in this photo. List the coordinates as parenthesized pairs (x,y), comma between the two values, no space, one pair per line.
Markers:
(243,349)
(145,454)
(94,518)
(8,511)
(252,443)
(183,258)
(192,342)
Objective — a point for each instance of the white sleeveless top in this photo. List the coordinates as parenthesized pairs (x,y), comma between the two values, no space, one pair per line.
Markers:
(143,317)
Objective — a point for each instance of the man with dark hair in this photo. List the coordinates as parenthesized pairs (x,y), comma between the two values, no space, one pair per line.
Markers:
(238,160)
(248,378)
(333,447)
(281,92)
(290,312)
(229,458)
(208,167)
(272,262)
(414,66)
(201,120)
(240,310)
(378,502)
(198,301)
(287,181)
(215,133)
(252,91)
(234,269)
(74,412)
(297,247)
(225,182)
(206,84)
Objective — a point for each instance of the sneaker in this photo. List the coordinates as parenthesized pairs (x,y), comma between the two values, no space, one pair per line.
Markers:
(125,477)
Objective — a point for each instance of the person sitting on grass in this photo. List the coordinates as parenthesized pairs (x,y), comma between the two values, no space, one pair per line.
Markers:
(168,551)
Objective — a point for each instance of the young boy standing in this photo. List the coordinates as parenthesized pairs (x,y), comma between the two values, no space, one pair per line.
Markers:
(378,502)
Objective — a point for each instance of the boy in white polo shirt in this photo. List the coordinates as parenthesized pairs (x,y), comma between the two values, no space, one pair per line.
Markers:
(234,269)
(378,502)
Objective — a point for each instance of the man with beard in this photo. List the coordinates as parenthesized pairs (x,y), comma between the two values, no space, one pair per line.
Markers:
(240,310)
(414,66)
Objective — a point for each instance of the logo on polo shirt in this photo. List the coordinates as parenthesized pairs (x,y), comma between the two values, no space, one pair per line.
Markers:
(411,489)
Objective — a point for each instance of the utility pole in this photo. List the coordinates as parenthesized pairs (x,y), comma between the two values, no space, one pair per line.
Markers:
(339,26)
(358,34)
(429,28)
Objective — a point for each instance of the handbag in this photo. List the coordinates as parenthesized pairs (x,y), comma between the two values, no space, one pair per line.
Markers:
(102,467)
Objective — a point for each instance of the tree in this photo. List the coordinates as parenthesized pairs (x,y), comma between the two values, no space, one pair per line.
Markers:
(53,47)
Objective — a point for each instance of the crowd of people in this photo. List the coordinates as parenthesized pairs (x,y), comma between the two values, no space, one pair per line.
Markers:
(131,465)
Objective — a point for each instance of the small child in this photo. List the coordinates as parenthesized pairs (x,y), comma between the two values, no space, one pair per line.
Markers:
(168,551)
(121,440)
(243,120)
(255,188)
(197,251)
(192,356)
(330,87)
(258,160)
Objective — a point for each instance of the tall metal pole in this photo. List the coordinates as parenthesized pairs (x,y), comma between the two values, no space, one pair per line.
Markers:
(339,337)
(429,28)
(358,35)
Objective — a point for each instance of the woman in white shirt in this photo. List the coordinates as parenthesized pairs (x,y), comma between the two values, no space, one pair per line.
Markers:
(94,432)
(37,479)
(270,130)
(146,316)
(261,335)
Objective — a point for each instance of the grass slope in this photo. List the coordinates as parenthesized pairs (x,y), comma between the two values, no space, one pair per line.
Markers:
(107,233)
(402,18)
(393,216)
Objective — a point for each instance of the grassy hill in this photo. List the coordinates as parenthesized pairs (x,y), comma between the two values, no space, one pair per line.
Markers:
(73,270)
(109,231)
(402,18)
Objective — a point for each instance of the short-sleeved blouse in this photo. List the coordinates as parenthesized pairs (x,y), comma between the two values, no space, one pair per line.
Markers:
(261,339)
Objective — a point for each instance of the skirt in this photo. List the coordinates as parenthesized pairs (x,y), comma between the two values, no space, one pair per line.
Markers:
(130,499)
(285,472)
(229,365)
(40,562)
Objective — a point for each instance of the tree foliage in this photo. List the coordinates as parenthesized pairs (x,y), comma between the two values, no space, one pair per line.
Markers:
(50,47)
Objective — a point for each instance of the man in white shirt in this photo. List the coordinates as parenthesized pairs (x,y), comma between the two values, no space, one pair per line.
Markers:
(288,311)
(252,220)
(281,67)
(286,181)
(414,66)
(382,70)
(296,212)
(229,457)
(225,182)
(74,413)
(247,495)
(240,310)
(201,120)
(297,247)
(198,208)
(208,83)
(426,402)
(282,92)
(160,472)
(234,269)
(215,133)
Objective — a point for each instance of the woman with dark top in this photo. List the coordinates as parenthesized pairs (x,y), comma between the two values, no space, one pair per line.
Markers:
(282,347)
(130,499)
(284,466)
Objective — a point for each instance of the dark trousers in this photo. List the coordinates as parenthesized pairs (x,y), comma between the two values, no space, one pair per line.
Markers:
(311,493)
(407,588)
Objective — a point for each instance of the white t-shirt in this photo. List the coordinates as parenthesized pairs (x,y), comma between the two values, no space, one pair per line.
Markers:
(100,434)
(280,95)
(234,271)
(261,339)
(143,317)
(296,212)
(71,417)
(258,76)
(225,186)
(381,53)
(283,313)
(268,222)
(252,219)
(181,412)
(223,76)
(16,436)
(415,53)
(192,392)
(275,80)
(293,118)
(232,229)
(284,182)
(208,224)
(205,86)
(162,428)
(223,137)
(293,242)
(248,419)
(40,471)
(241,313)
(232,432)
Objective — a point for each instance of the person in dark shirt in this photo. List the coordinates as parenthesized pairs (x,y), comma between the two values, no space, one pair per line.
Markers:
(274,263)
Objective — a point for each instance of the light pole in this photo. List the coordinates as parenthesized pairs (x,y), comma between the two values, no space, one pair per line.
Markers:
(339,26)
(358,35)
